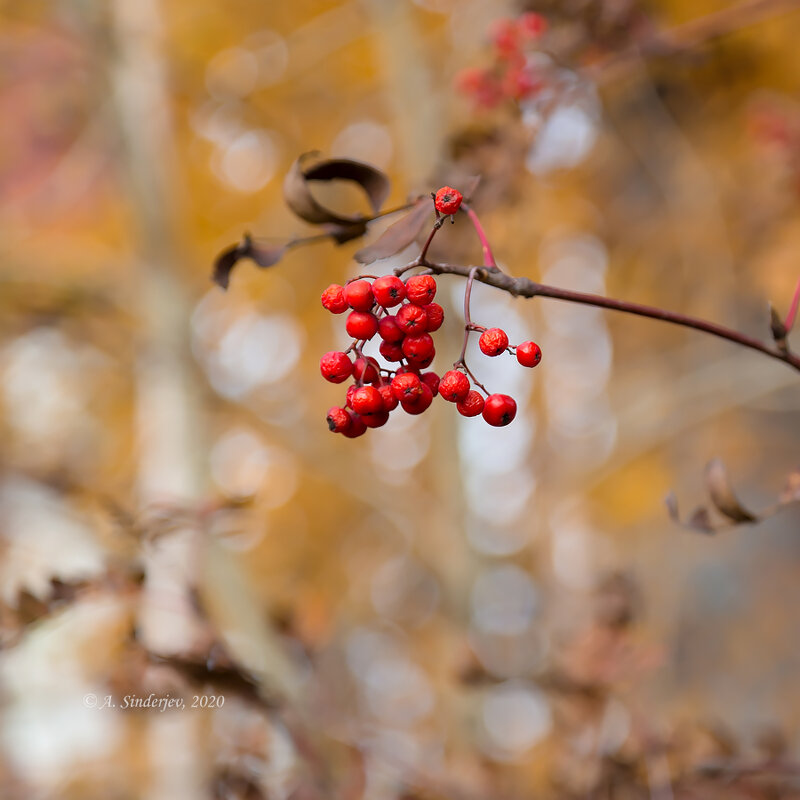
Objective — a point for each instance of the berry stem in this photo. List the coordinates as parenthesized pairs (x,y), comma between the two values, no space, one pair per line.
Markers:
(524,287)
(421,260)
(488,256)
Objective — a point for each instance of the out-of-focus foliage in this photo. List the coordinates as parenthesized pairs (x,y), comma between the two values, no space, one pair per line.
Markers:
(439,609)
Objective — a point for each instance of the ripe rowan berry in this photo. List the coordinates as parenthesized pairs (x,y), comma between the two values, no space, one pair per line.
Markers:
(412,319)
(448,200)
(359,295)
(493,341)
(431,379)
(348,398)
(499,410)
(454,386)
(334,300)
(367,400)
(435,314)
(336,367)
(375,420)
(420,364)
(471,405)
(338,419)
(390,351)
(529,354)
(356,427)
(365,370)
(419,404)
(389,330)
(420,289)
(407,387)
(389,291)
(361,325)
(390,402)
(418,348)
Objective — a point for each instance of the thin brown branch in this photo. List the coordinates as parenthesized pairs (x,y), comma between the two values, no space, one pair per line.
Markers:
(524,287)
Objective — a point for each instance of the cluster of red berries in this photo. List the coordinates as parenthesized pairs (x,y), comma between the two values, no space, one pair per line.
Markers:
(406,341)
(510,76)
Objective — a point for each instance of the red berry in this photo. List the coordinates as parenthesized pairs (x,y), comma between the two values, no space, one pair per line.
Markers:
(420,364)
(454,386)
(338,419)
(418,348)
(505,38)
(389,330)
(529,354)
(421,289)
(412,319)
(435,314)
(391,352)
(334,300)
(531,25)
(421,403)
(335,367)
(359,295)
(389,291)
(493,341)
(376,420)
(367,400)
(471,405)
(518,83)
(447,201)
(390,402)
(432,381)
(366,370)
(348,401)
(361,325)
(499,410)
(406,387)
(356,427)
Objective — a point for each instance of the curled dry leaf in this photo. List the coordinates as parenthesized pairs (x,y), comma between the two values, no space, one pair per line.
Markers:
(726,502)
(262,255)
(722,494)
(398,235)
(298,196)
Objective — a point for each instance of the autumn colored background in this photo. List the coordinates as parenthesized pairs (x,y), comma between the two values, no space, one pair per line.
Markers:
(440,608)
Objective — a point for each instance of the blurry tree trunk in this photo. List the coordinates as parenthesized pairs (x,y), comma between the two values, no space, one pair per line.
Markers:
(166,413)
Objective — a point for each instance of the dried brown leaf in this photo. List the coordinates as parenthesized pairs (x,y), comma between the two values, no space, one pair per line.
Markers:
(298,196)
(262,255)
(722,494)
(398,235)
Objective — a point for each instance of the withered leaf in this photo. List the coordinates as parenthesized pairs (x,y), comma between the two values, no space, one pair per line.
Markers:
(262,255)
(398,235)
(698,521)
(722,494)
(297,192)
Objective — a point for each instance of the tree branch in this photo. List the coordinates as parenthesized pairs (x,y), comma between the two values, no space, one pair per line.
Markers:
(524,287)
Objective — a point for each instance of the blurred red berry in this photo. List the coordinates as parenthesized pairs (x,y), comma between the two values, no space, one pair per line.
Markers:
(531,25)
(432,380)
(505,37)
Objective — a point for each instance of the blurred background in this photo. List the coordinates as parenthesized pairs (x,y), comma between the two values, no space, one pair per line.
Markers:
(439,608)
